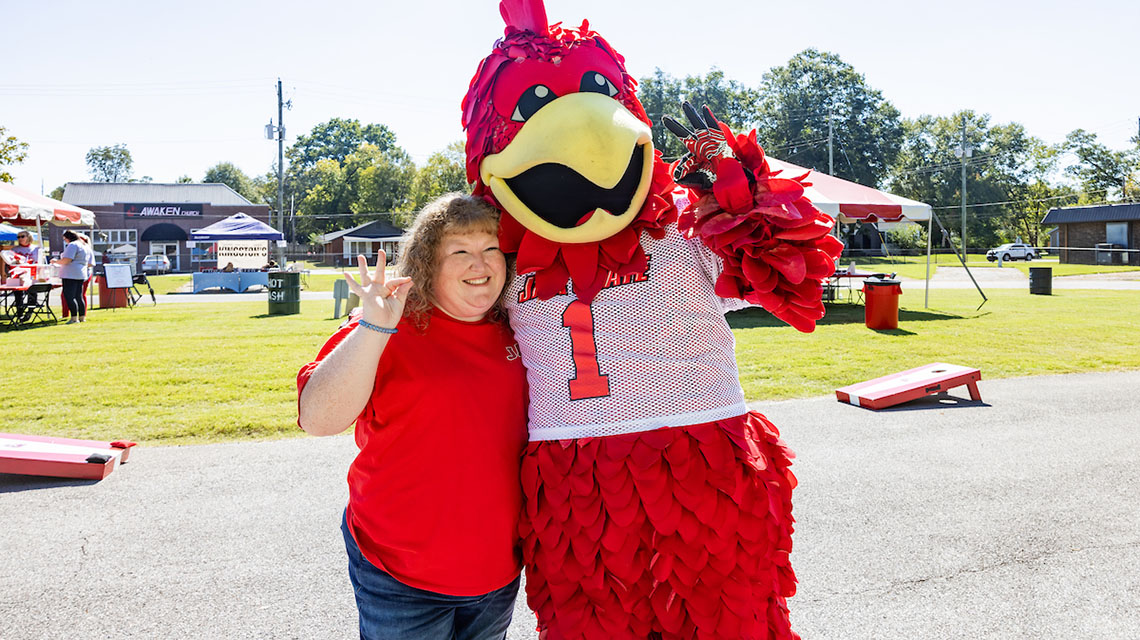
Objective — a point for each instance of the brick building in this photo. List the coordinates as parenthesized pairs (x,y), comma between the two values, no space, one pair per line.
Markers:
(156,218)
(1096,235)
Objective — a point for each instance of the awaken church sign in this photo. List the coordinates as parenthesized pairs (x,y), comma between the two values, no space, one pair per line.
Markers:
(161,210)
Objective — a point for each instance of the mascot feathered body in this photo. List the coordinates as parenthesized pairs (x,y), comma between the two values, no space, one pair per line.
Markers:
(657,505)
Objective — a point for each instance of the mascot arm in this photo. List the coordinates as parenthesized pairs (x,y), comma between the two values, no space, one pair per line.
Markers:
(775,245)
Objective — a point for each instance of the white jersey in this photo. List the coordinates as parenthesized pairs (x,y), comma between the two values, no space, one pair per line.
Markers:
(652,350)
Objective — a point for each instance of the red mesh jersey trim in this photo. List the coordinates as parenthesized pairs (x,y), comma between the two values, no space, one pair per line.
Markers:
(774,243)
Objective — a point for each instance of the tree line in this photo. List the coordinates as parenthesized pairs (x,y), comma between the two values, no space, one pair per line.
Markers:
(343,172)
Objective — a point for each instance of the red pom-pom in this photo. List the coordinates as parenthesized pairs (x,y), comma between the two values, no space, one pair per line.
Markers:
(775,245)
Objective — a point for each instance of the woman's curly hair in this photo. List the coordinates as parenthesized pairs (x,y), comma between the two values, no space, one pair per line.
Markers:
(419,257)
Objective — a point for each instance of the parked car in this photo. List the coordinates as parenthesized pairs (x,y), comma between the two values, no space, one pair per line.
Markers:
(1012,251)
(156,263)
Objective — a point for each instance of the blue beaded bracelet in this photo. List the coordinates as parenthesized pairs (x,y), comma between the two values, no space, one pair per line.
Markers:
(377,328)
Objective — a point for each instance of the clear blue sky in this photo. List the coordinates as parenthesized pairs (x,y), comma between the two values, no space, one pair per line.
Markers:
(188,85)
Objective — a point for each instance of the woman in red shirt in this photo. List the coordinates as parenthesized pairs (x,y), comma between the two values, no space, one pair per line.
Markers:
(429,372)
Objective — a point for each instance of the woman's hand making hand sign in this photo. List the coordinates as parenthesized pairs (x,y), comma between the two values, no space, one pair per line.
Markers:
(381,300)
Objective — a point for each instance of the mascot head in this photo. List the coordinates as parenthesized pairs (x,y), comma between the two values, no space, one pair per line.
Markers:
(557,139)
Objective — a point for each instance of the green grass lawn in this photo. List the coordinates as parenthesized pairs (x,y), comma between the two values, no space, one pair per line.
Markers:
(190,373)
(169,283)
(1014,334)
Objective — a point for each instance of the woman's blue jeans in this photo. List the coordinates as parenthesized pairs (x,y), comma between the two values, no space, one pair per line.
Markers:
(391,610)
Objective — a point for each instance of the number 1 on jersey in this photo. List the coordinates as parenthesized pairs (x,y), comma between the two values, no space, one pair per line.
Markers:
(588,381)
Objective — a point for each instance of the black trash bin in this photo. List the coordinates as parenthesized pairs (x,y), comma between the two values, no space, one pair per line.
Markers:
(284,293)
(1041,281)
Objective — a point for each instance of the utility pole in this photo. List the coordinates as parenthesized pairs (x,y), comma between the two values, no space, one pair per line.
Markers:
(830,147)
(280,172)
(964,151)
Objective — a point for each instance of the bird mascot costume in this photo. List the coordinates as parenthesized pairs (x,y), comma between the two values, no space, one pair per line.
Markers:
(657,504)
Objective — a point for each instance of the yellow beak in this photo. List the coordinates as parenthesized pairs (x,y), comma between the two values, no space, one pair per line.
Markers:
(589,134)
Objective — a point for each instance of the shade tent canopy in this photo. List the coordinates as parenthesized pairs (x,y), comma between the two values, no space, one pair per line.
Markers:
(8,233)
(26,208)
(850,202)
(237,227)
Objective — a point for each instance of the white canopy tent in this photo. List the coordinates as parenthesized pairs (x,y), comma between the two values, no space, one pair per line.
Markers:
(850,202)
(25,208)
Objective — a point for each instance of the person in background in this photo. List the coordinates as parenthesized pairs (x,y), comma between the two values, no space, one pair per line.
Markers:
(29,253)
(75,268)
(430,375)
(26,248)
(228,268)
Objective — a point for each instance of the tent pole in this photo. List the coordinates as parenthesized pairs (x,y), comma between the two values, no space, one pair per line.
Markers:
(929,235)
(43,245)
(963,261)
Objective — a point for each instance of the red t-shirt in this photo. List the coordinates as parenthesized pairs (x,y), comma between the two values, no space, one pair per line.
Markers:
(434,494)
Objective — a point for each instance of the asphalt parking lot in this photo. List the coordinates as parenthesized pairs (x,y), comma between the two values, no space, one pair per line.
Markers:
(1016,517)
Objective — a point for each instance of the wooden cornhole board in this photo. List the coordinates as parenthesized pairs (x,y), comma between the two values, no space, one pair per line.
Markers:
(913,384)
(61,457)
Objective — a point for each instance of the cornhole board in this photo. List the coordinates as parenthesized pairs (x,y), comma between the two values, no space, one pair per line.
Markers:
(61,457)
(913,384)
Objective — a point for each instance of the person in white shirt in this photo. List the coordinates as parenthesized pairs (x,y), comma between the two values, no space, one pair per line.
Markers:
(75,265)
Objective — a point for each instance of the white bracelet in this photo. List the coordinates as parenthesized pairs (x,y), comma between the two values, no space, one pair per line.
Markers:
(374,327)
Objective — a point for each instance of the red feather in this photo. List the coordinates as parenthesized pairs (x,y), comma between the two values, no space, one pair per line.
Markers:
(525,15)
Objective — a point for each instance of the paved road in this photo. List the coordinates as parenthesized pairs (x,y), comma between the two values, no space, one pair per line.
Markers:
(1017,517)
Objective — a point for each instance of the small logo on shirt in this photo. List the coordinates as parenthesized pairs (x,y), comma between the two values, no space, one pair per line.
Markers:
(513,352)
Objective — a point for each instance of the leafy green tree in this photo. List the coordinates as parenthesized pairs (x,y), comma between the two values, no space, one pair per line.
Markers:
(12,151)
(1102,170)
(661,94)
(1000,175)
(797,101)
(229,174)
(443,173)
(378,181)
(57,193)
(184,180)
(110,164)
(343,167)
(265,189)
(329,196)
(336,139)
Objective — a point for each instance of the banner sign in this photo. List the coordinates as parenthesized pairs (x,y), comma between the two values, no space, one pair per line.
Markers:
(161,210)
(243,254)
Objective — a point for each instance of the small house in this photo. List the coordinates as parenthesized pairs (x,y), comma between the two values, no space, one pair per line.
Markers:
(1101,234)
(342,247)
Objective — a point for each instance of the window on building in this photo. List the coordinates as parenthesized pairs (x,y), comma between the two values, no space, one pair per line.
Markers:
(105,240)
(1117,233)
(204,252)
(355,248)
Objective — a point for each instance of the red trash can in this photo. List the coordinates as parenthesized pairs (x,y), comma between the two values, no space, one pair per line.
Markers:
(882,300)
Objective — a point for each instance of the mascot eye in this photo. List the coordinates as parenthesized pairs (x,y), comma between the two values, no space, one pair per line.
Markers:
(531,101)
(597,83)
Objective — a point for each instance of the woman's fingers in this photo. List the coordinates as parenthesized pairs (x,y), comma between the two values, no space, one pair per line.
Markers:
(353,285)
(381,263)
(362,266)
(401,291)
(403,286)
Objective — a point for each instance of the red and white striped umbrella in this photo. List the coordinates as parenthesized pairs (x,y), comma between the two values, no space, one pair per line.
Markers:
(850,202)
(26,208)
